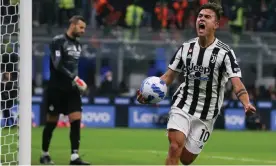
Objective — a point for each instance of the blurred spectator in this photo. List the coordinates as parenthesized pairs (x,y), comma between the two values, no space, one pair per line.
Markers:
(106,88)
(66,11)
(161,11)
(103,9)
(105,68)
(133,20)
(179,9)
(236,21)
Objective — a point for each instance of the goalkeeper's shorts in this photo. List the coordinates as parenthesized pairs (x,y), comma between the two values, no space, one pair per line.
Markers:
(63,102)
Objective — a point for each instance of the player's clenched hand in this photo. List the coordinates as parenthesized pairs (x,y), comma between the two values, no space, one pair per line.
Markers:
(249,109)
(140,97)
(80,84)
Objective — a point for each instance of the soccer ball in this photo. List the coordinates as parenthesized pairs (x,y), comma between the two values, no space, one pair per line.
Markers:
(153,89)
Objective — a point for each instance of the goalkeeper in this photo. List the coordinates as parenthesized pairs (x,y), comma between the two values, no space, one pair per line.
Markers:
(65,89)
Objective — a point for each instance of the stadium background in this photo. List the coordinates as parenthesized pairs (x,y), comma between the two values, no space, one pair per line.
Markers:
(128,41)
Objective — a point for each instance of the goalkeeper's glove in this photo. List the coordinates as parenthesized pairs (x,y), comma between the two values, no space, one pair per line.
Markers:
(80,84)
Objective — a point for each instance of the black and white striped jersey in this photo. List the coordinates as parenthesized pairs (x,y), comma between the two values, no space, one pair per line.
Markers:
(206,72)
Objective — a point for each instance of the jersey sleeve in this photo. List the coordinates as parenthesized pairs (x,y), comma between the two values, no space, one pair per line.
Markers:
(231,64)
(57,58)
(176,63)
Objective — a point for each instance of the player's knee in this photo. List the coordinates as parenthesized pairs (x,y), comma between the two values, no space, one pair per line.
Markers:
(175,148)
(186,160)
(74,116)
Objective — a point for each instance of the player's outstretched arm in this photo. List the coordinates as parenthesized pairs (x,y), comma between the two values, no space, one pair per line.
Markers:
(242,95)
(234,72)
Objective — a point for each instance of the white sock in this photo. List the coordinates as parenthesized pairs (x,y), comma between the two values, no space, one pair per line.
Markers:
(45,153)
(74,156)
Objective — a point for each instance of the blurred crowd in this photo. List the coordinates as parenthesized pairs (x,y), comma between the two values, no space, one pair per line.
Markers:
(239,15)
(257,15)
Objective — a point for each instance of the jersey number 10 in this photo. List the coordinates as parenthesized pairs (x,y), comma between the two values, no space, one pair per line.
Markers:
(204,135)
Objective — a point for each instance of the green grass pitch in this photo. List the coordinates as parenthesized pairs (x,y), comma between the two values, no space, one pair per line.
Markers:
(148,147)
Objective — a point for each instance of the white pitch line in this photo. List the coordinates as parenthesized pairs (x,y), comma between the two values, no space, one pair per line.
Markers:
(241,159)
(224,158)
(165,153)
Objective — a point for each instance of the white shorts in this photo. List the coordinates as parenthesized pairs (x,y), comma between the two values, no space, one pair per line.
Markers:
(197,131)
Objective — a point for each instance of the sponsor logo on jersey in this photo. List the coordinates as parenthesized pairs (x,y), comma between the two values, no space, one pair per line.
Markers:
(75,54)
(73,51)
(198,72)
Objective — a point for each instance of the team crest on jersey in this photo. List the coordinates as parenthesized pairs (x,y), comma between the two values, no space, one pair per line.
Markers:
(213,58)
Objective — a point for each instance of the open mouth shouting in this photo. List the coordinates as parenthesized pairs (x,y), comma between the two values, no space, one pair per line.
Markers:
(201,27)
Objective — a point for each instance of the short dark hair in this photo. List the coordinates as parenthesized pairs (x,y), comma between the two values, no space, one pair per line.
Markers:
(212,5)
(75,19)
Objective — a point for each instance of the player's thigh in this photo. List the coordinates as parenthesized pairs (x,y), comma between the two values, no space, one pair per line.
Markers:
(200,133)
(178,127)
(179,120)
(74,106)
(55,102)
